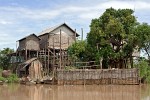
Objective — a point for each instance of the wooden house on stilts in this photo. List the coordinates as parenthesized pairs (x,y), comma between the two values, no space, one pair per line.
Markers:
(49,48)
(54,42)
(28,47)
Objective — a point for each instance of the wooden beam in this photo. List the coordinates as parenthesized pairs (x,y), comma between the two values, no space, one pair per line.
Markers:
(60,51)
(82,33)
(53,53)
(48,60)
(26,52)
(75,35)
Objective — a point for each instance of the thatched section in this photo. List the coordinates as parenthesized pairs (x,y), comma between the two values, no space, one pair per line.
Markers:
(30,42)
(31,68)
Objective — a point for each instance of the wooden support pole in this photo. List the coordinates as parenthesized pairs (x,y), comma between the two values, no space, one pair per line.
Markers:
(60,51)
(29,54)
(67,53)
(75,35)
(26,54)
(53,53)
(82,33)
(16,60)
(45,59)
(62,58)
(48,60)
(37,54)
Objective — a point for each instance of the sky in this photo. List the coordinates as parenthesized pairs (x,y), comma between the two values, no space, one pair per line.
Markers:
(19,18)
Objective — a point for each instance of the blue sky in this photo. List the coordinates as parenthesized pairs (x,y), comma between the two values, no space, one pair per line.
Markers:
(19,18)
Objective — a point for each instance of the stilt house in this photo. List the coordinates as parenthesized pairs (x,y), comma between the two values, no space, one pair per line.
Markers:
(28,46)
(54,42)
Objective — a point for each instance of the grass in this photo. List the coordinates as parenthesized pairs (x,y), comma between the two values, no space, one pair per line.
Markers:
(11,79)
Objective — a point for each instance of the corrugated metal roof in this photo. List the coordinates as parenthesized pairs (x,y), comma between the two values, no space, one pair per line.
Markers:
(49,30)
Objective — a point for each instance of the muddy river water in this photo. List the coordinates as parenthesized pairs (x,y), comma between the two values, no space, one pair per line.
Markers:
(74,92)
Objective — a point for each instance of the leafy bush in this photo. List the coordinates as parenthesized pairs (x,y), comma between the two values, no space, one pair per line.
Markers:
(2,78)
(13,78)
(144,70)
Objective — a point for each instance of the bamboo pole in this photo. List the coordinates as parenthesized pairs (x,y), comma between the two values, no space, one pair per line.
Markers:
(60,51)
(45,59)
(16,57)
(82,34)
(48,50)
(37,54)
(53,68)
(26,50)
(67,53)
(26,53)
(75,35)
(29,54)
(53,53)
(48,61)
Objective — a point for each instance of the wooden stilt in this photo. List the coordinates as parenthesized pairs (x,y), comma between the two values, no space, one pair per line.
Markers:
(48,61)
(67,53)
(82,33)
(75,35)
(26,54)
(26,50)
(29,54)
(60,51)
(37,54)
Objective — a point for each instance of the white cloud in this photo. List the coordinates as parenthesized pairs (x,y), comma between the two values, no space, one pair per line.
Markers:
(4,22)
(80,11)
(16,20)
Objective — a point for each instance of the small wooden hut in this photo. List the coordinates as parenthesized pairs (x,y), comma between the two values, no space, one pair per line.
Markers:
(29,46)
(32,68)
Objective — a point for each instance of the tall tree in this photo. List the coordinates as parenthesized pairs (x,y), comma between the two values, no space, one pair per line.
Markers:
(112,35)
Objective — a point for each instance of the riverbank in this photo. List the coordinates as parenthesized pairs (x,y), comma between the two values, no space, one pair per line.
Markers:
(82,77)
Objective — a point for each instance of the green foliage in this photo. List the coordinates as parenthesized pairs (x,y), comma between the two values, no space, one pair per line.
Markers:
(142,32)
(77,50)
(13,78)
(112,35)
(4,58)
(2,78)
(144,70)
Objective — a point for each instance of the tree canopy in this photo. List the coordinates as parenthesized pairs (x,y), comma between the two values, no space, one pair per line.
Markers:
(112,35)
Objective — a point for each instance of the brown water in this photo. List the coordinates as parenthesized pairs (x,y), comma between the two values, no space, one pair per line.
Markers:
(78,92)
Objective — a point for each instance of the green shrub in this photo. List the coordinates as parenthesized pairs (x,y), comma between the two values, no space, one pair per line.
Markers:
(2,78)
(12,78)
(144,70)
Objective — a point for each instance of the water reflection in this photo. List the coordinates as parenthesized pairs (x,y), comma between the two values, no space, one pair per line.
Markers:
(79,92)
